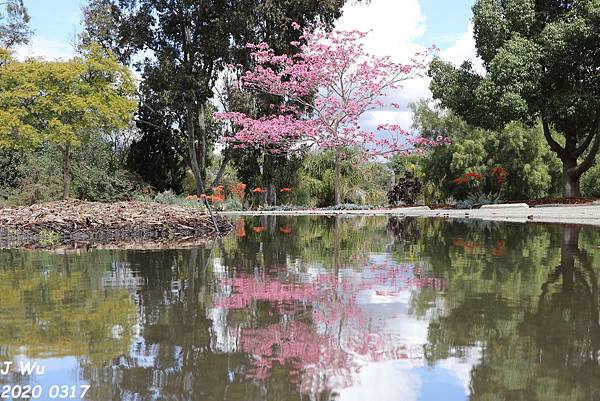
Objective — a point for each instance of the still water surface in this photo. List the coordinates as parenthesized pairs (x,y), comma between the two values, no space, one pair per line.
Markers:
(314,309)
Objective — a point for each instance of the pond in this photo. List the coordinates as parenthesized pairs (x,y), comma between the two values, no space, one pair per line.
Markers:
(312,308)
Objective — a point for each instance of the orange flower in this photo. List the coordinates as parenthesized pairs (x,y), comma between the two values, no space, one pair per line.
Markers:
(285,230)
(474,176)
(460,180)
(214,198)
(499,171)
(219,189)
(259,230)
(285,190)
(259,190)
(239,190)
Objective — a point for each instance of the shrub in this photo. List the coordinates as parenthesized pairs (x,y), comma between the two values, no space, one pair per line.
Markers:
(49,238)
(169,198)
(406,191)
(590,182)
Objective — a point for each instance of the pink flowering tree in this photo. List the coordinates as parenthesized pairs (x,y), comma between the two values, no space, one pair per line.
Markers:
(324,91)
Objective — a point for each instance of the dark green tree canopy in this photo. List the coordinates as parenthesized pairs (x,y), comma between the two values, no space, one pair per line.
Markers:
(542,61)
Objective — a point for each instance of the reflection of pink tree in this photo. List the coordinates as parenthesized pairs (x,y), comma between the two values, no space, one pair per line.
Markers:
(326,89)
(330,351)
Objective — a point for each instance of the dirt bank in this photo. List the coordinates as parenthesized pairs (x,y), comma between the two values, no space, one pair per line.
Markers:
(74,221)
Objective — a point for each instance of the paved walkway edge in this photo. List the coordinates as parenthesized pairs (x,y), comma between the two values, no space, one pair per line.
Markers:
(584,215)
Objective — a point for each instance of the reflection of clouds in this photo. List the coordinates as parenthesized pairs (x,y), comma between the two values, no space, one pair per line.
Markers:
(461,368)
(384,381)
(141,355)
(122,276)
(224,336)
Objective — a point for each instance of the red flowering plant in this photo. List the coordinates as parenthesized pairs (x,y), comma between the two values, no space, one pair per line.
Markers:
(239,191)
(476,189)
(256,196)
(237,196)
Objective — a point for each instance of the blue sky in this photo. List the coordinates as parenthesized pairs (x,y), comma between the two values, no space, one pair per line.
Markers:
(55,22)
(55,19)
(446,21)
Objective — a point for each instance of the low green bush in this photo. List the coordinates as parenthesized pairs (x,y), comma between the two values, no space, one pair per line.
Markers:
(170,198)
(590,182)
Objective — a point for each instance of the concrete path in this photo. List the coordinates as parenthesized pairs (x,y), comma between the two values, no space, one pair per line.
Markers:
(586,215)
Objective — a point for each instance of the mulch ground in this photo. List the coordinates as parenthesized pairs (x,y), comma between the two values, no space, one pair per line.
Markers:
(75,221)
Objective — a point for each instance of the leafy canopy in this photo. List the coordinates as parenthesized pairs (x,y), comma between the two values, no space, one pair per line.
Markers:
(13,23)
(63,102)
(542,60)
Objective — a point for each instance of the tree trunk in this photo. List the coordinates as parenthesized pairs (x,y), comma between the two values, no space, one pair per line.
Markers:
(221,172)
(337,179)
(571,187)
(268,174)
(571,152)
(202,140)
(67,172)
(193,152)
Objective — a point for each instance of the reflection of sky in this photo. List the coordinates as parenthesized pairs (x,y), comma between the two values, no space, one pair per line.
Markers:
(398,380)
(58,372)
(395,381)
(388,305)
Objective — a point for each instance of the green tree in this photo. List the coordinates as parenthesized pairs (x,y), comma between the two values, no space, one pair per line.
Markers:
(64,103)
(13,24)
(532,167)
(541,60)
(190,42)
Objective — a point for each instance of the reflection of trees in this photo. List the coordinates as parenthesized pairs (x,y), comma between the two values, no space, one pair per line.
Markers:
(207,321)
(55,305)
(327,241)
(321,336)
(405,229)
(178,354)
(538,327)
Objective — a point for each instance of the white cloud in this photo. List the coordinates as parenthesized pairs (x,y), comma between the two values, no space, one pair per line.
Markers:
(378,117)
(45,48)
(384,382)
(394,28)
(464,49)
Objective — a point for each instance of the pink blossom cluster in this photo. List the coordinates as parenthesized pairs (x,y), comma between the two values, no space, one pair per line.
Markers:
(247,289)
(326,88)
